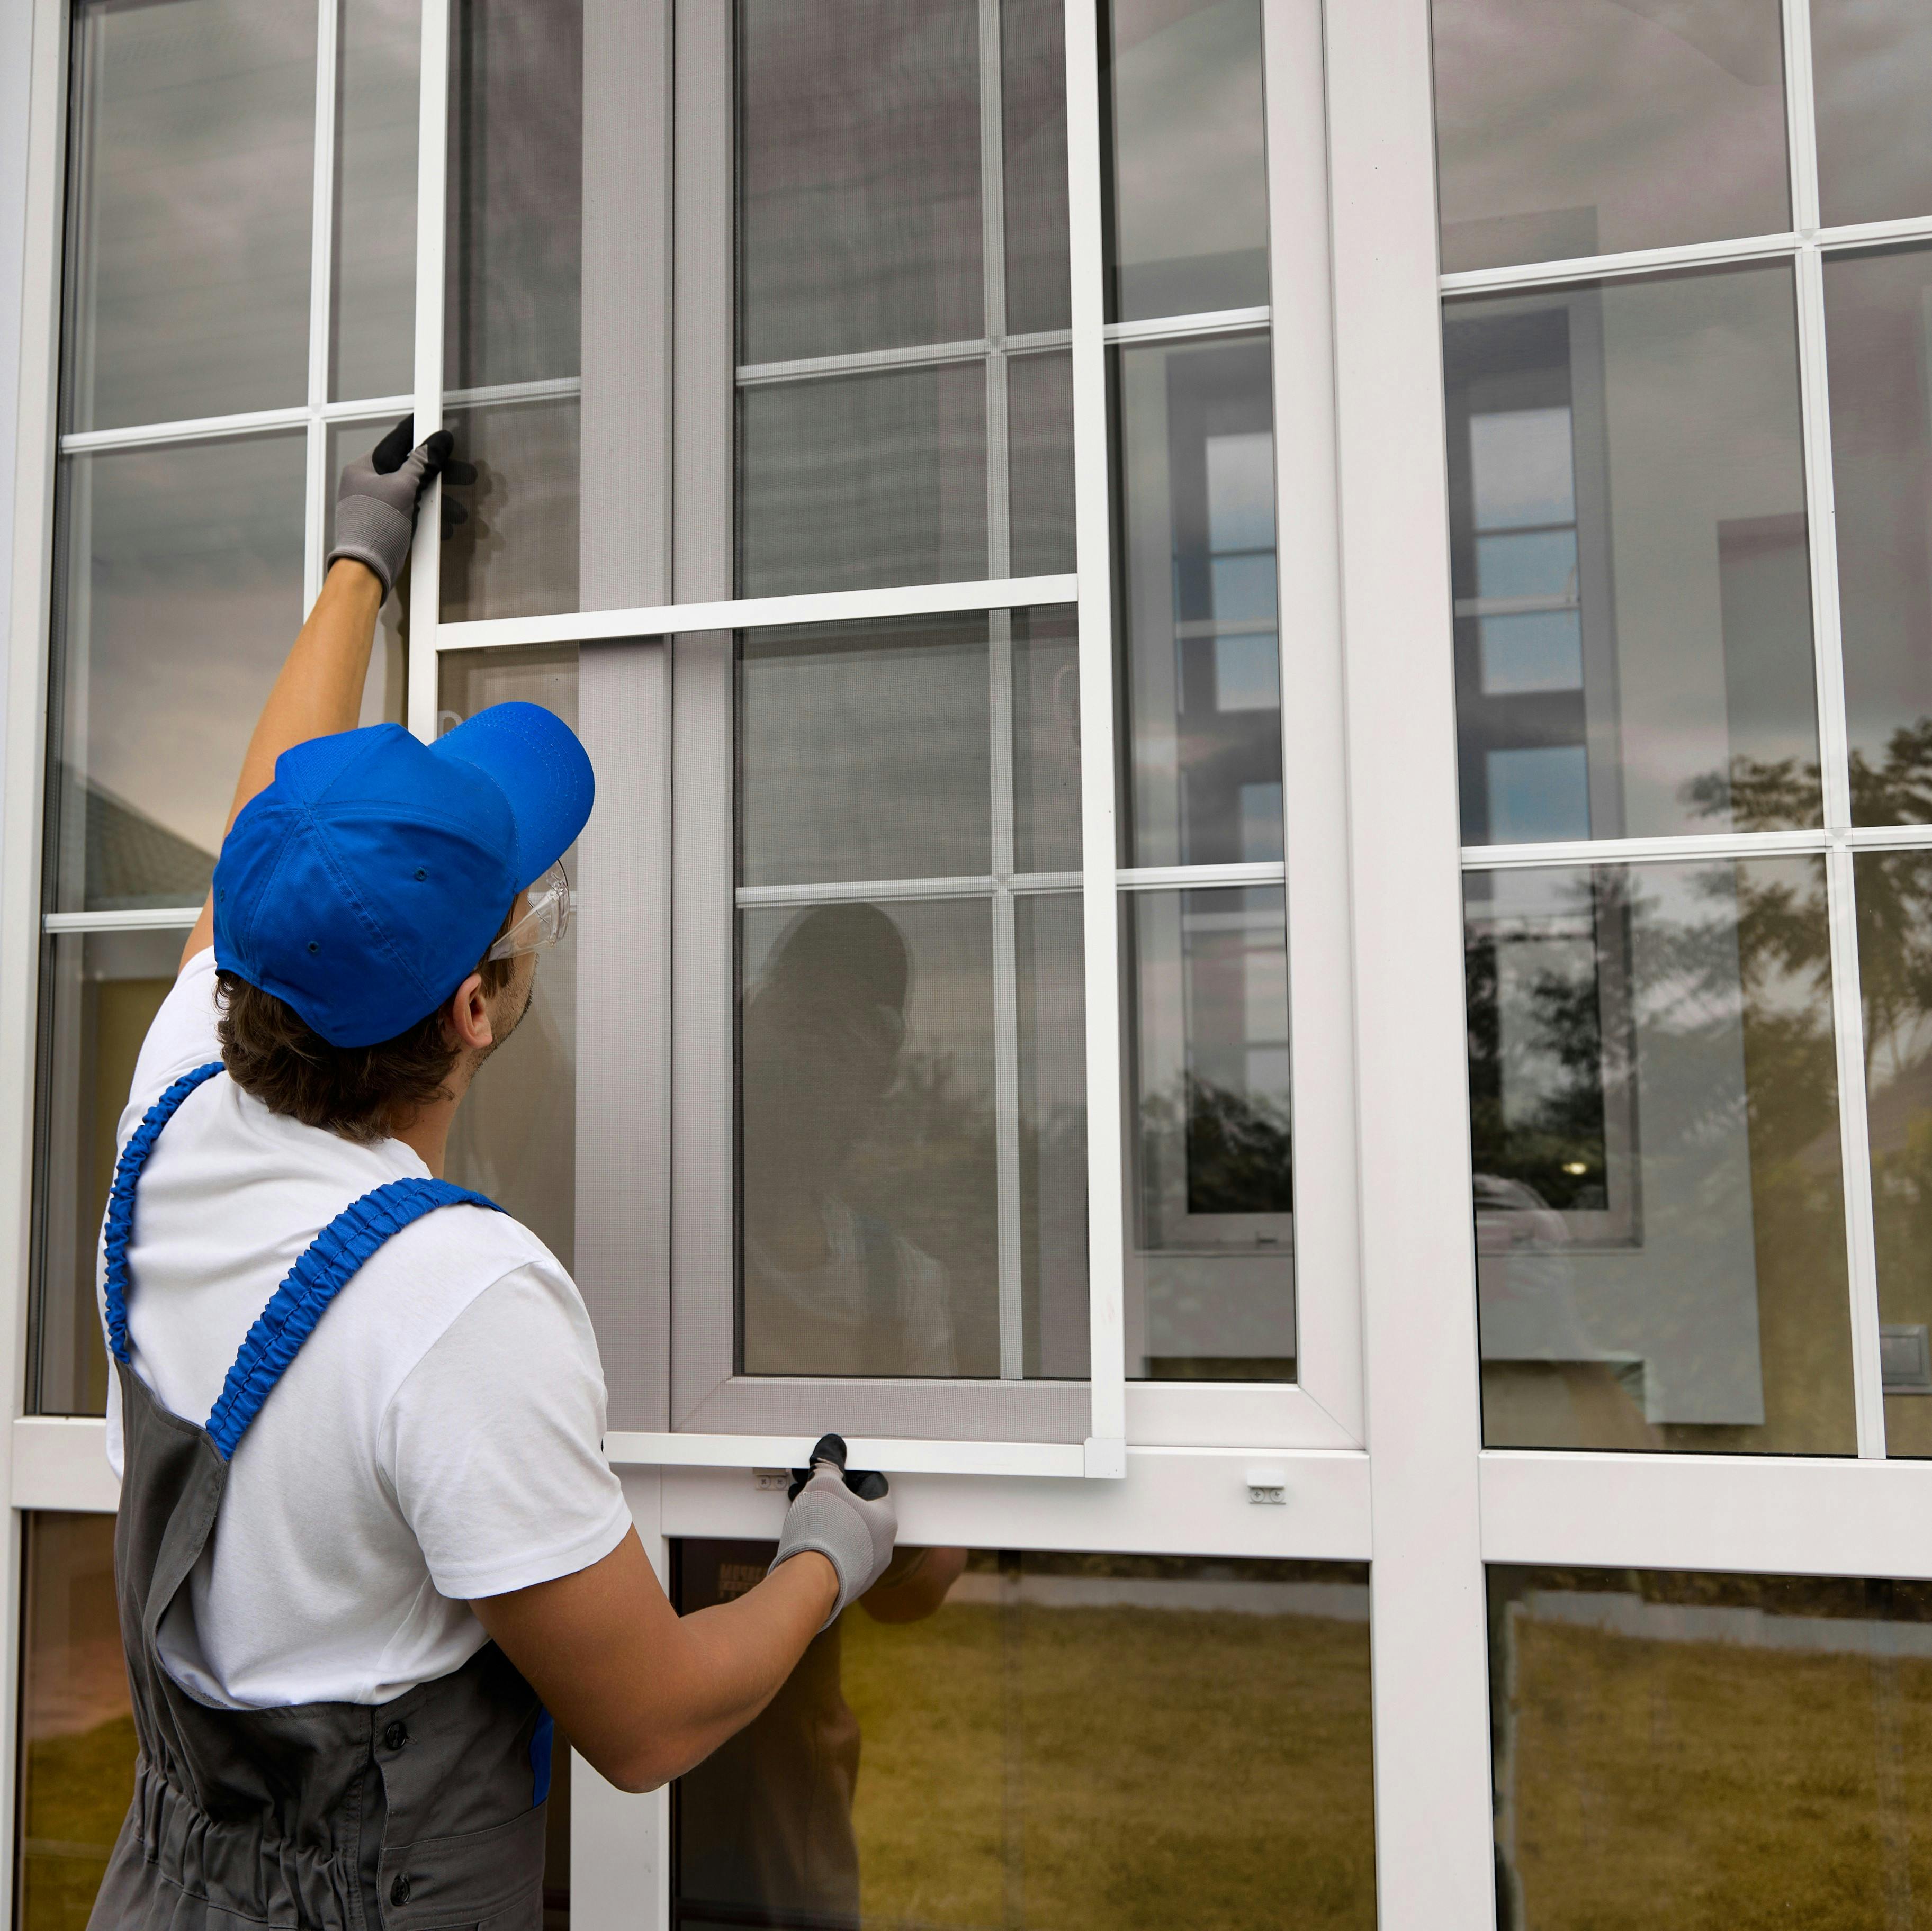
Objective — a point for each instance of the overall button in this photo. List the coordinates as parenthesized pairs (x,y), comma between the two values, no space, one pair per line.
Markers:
(399,1891)
(395,1737)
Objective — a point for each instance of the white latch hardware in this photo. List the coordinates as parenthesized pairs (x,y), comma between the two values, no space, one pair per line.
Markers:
(1268,1485)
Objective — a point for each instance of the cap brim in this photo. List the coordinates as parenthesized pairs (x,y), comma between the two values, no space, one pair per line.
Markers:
(533,757)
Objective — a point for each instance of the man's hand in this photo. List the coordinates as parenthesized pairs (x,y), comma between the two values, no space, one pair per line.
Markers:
(377,499)
(848,1519)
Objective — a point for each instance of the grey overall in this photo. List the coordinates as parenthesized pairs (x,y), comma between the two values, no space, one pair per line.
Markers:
(420,1813)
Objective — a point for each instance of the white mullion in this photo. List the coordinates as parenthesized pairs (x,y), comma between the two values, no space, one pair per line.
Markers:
(860,361)
(1105,1206)
(1181,328)
(321,269)
(432,183)
(1200,877)
(813,607)
(194,429)
(1854,1154)
(1000,671)
(142,918)
(1645,850)
(1628,262)
(1006,1002)
(1801,121)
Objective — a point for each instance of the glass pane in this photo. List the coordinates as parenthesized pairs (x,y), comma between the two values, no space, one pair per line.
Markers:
(182,595)
(850,482)
(1696,1749)
(912,1113)
(515,1138)
(1186,218)
(77,1747)
(516,554)
(1040,415)
(1195,499)
(860,222)
(100,992)
(1046,1742)
(1629,548)
(1033,64)
(1894,895)
(1050,1017)
(883,437)
(385,693)
(1878,313)
(1210,1279)
(372,305)
(1567,127)
(183,108)
(865,753)
(1660,1216)
(514,246)
(1872,66)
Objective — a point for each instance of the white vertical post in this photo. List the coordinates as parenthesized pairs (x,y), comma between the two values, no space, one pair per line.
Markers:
(619,1842)
(1434,1831)
(1106,1451)
(36,37)
(1834,737)
(321,270)
(432,214)
(1321,993)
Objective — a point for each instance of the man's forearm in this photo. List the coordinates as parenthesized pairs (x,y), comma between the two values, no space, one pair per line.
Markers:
(642,1693)
(319,691)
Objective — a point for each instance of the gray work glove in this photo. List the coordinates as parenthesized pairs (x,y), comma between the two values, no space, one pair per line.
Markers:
(376,501)
(848,1518)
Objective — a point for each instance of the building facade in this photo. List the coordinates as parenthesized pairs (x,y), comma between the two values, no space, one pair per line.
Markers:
(1261,907)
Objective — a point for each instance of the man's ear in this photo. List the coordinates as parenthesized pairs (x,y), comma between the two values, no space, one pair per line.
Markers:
(469,1015)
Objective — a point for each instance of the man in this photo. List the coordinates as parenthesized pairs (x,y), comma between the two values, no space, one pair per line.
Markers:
(351,1598)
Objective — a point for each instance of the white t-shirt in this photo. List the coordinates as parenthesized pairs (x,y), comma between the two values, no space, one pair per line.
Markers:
(439,1436)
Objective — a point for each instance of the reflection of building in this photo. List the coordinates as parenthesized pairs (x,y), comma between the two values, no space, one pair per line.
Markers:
(1113,506)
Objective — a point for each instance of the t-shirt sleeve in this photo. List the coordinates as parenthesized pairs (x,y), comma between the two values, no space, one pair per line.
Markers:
(494,1444)
(182,1037)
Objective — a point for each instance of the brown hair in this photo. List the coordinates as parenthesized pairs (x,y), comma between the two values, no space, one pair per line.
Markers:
(363,1093)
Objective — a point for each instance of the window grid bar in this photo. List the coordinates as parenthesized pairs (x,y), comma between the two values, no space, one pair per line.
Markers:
(1691,847)
(762,613)
(985,885)
(1800,119)
(997,341)
(322,249)
(432,214)
(141,918)
(1106,1451)
(1835,751)
(1000,671)
(1685,255)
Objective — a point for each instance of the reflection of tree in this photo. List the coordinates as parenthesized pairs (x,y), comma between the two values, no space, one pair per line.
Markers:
(1553,1049)
(1239,1152)
(1895,934)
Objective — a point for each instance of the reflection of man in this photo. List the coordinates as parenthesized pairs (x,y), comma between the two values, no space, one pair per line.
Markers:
(765,1825)
(829,1290)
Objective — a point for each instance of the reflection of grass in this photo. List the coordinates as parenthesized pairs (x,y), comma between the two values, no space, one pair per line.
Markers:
(78,1790)
(1171,1768)
(1713,1787)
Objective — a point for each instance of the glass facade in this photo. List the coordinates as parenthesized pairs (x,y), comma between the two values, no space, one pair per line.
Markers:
(997,1738)
(1704,1749)
(1682,630)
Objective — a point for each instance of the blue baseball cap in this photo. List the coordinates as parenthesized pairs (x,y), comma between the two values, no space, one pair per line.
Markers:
(364,884)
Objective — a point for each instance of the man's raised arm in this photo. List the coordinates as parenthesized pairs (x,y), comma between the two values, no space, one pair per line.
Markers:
(320,688)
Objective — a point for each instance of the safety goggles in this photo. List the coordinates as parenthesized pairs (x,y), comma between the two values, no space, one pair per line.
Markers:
(546,921)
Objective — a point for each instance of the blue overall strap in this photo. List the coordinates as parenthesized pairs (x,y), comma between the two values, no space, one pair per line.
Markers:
(329,1263)
(121,1198)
